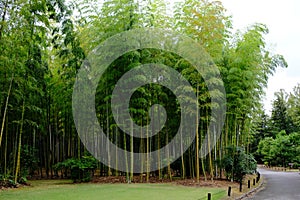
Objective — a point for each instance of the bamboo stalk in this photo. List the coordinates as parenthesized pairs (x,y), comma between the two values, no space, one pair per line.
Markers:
(20,142)
(5,108)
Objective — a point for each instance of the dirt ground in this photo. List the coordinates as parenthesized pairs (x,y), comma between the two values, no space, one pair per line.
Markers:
(175,180)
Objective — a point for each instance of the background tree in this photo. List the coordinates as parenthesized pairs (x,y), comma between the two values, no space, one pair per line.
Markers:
(278,145)
(280,120)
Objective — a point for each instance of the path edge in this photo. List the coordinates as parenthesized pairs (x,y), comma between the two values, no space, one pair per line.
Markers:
(254,190)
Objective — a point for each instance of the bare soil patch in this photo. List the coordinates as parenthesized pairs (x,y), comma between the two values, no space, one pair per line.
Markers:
(185,182)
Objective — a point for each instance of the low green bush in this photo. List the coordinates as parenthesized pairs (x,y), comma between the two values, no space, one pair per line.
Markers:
(80,170)
(237,163)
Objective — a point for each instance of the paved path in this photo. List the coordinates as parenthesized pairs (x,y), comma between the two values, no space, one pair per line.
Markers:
(279,186)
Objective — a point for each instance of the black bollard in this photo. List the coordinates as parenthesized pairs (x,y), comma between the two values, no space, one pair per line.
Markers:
(209,196)
(229,191)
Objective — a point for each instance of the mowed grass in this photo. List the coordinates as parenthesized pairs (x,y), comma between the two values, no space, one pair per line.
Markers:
(65,190)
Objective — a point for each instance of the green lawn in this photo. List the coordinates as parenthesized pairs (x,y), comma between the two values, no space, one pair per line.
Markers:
(64,190)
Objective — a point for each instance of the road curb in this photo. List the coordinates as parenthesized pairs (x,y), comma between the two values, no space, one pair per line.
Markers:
(254,190)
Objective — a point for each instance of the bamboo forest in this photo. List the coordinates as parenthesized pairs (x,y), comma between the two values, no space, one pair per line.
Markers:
(44,43)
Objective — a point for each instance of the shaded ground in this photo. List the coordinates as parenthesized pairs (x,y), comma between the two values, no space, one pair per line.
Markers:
(279,186)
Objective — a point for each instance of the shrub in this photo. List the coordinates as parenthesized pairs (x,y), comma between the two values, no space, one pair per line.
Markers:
(81,170)
(29,161)
(6,181)
(237,163)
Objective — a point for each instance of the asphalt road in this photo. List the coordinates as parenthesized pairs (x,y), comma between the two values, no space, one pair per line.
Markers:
(279,186)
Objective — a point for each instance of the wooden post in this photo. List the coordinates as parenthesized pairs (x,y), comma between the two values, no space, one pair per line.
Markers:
(209,196)
(258,176)
(229,191)
(241,186)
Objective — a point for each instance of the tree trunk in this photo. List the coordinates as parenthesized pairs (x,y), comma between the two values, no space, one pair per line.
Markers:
(107,142)
(116,140)
(126,158)
(5,108)
(131,152)
(202,159)
(209,152)
(182,156)
(5,150)
(142,151)
(197,138)
(168,152)
(158,147)
(20,141)
(148,158)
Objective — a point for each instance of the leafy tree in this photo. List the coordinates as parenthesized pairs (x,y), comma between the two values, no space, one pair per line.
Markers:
(293,108)
(281,151)
(246,68)
(280,120)
(295,149)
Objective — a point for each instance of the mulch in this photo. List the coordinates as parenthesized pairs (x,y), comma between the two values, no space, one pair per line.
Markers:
(185,182)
